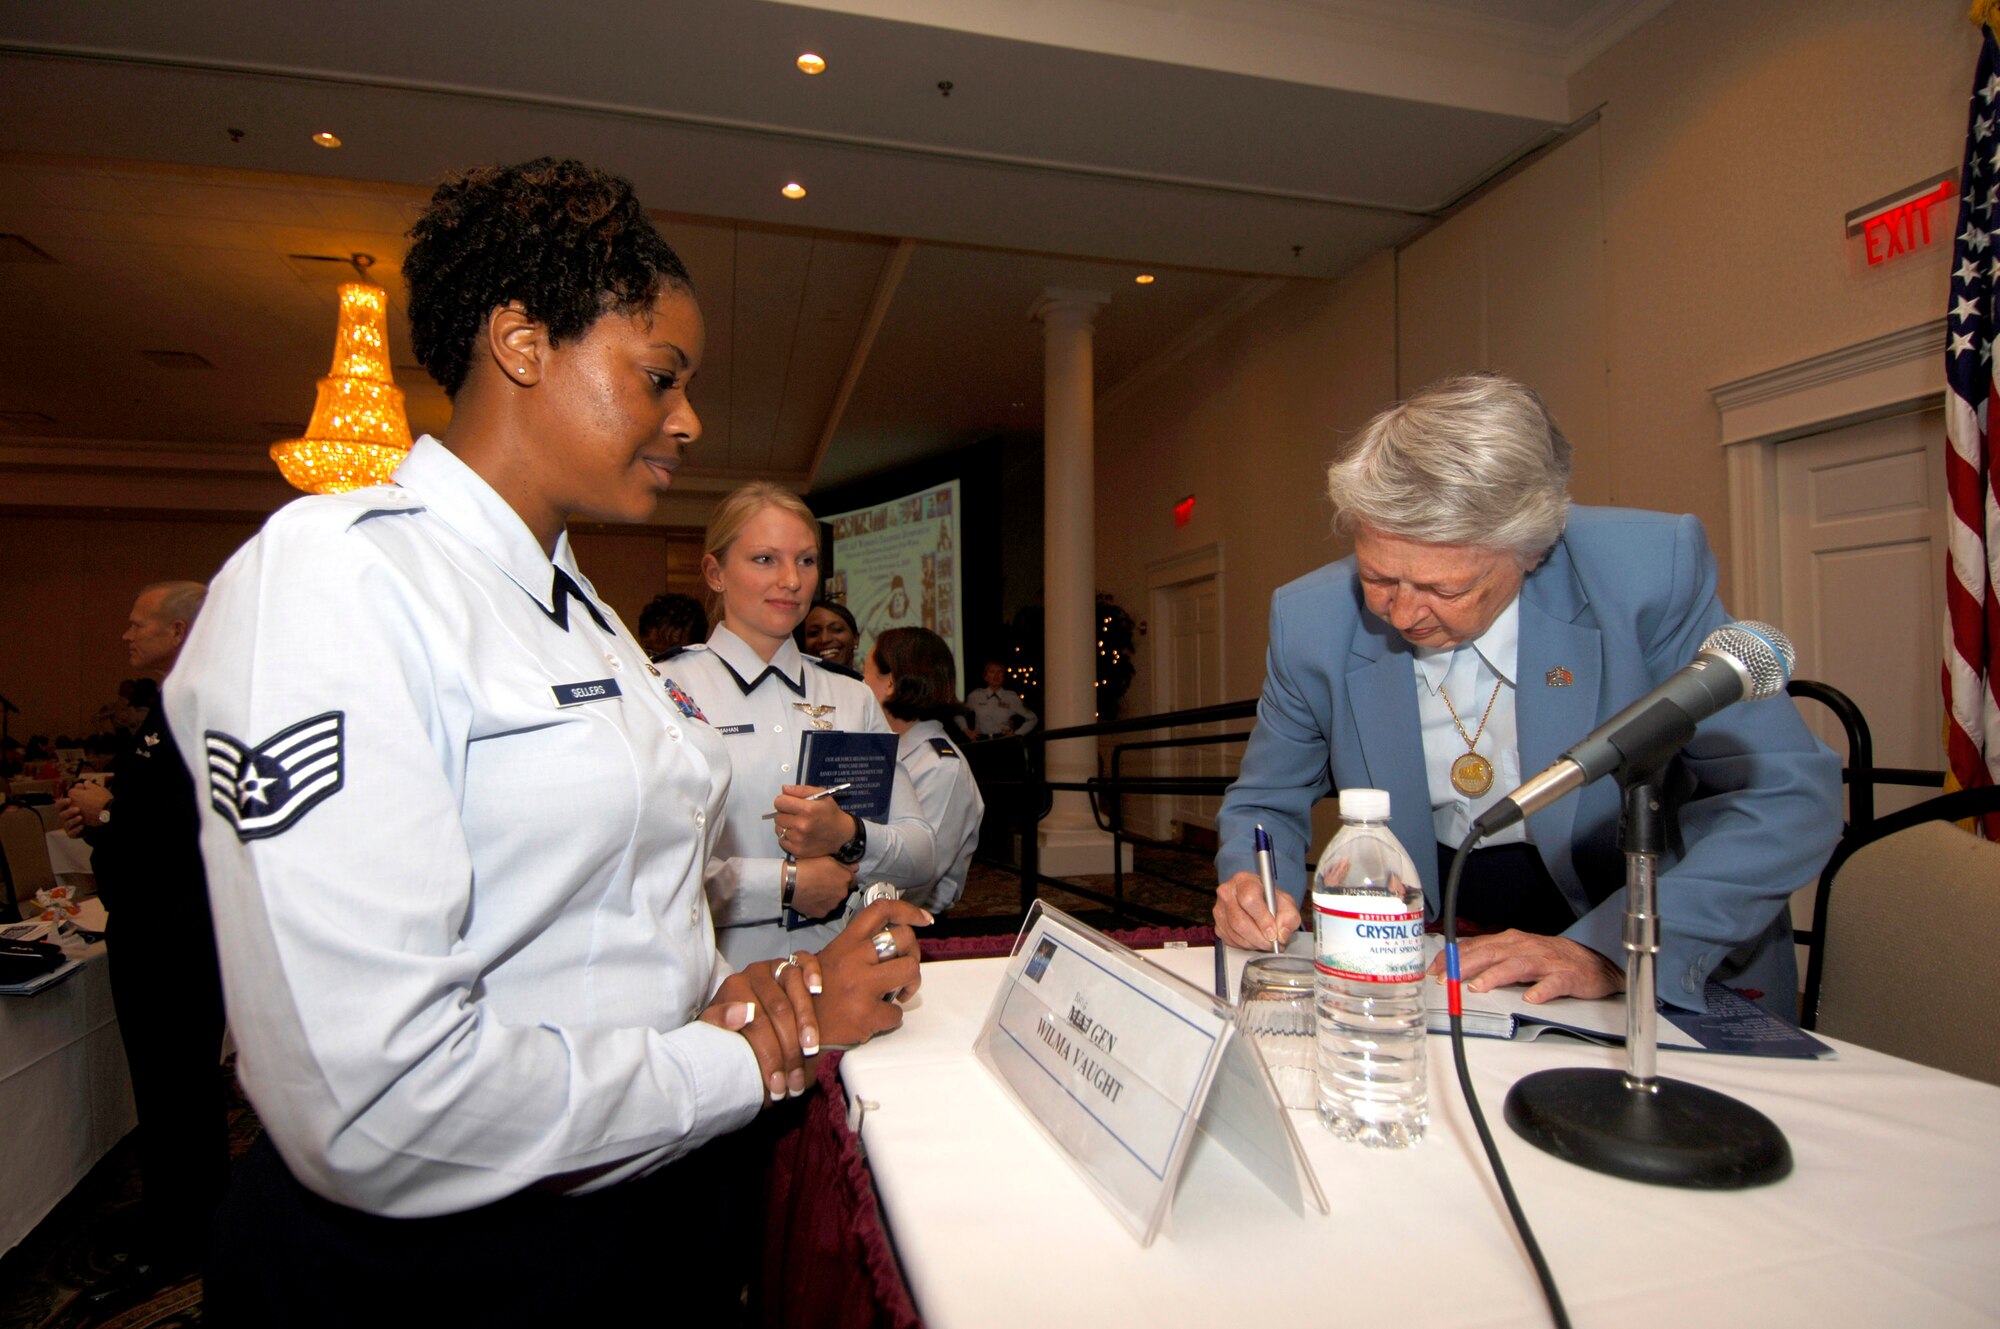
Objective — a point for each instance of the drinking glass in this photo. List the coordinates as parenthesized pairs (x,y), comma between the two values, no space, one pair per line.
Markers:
(1275,1011)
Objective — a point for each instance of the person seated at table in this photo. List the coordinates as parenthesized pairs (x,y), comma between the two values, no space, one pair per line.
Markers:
(1483,625)
(456,827)
(912,673)
(777,849)
(829,633)
(669,622)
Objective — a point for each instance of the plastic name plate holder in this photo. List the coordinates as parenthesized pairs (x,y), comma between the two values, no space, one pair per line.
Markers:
(1119,1062)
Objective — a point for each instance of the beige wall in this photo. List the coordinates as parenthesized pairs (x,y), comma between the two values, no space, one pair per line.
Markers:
(68,587)
(1692,236)
(1736,137)
(1245,423)
(1515,284)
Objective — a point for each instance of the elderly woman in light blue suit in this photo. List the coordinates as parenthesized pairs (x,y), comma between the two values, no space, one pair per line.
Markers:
(1482,626)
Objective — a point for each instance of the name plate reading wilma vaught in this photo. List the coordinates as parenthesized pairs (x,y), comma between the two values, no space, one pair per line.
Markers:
(1113,1058)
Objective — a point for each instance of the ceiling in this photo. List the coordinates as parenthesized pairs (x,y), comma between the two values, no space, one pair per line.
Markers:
(156,159)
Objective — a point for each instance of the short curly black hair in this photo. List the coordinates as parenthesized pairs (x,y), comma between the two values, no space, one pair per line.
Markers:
(682,613)
(569,241)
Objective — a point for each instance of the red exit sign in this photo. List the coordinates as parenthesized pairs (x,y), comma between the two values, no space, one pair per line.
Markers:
(1906,222)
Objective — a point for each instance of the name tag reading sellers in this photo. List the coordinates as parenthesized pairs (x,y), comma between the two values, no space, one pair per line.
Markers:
(576,694)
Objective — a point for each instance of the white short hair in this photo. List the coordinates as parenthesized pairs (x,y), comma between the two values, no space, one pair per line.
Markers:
(180,600)
(1471,460)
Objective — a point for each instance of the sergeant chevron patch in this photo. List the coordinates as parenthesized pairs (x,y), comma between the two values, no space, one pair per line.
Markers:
(264,790)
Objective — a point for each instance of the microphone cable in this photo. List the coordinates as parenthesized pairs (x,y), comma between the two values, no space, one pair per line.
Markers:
(1542,1274)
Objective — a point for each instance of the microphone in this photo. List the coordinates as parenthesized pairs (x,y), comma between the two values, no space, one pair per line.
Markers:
(1738,661)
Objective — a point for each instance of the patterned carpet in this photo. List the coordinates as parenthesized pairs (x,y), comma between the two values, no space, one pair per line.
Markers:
(1176,882)
(71,1271)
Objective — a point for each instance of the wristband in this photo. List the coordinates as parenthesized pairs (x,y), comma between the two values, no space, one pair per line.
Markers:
(791,882)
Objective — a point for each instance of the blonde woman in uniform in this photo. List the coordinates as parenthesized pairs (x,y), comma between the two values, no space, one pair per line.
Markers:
(778,850)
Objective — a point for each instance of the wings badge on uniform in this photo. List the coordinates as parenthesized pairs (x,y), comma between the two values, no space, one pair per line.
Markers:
(817,714)
(264,790)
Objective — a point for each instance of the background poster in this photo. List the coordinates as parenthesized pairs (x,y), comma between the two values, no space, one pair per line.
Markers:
(896,566)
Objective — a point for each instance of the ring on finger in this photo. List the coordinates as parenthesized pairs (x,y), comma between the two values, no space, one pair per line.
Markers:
(885,945)
(789,962)
(783,831)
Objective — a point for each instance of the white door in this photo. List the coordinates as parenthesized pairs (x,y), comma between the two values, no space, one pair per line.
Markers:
(1861,560)
(1192,671)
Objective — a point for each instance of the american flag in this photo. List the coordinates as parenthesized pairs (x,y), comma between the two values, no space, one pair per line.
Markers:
(1972,639)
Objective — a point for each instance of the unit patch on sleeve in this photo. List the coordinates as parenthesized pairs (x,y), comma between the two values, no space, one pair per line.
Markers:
(264,790)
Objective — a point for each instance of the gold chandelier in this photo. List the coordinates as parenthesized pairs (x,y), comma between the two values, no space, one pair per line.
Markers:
(358,433)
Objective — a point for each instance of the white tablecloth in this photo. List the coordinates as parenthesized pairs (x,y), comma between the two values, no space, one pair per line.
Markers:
(65,1095)
(1888,1218)
(66,855)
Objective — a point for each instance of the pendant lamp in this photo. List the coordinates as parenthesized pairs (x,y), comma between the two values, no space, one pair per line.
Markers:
(358,433)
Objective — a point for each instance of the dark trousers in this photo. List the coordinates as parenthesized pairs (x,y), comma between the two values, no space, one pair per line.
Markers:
(167,990)
(1508,886)
(673,1247)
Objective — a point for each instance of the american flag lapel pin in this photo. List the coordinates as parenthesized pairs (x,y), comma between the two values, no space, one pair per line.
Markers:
(1559,677)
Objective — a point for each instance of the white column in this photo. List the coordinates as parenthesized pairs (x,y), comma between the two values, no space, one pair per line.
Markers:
(1071,844)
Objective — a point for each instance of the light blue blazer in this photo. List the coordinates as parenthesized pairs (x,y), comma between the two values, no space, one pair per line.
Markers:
(1623,600)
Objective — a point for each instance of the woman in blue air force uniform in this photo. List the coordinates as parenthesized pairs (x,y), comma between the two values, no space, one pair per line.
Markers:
(455,831)
(912,673)
(1482,626)
(751,682)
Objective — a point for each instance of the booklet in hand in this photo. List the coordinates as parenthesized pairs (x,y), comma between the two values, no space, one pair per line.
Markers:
(865,762)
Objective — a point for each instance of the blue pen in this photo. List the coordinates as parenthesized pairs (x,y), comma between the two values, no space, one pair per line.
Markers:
(1265,872)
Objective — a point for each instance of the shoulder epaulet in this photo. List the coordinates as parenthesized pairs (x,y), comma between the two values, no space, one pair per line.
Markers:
(944,748)
(673,651)
(379,501)
(833,668)
(330,513)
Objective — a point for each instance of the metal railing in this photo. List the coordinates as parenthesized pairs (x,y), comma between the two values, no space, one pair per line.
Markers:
(1106,794)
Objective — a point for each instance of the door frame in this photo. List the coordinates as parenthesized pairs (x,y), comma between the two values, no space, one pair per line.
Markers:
(1882,376)
(1204,563)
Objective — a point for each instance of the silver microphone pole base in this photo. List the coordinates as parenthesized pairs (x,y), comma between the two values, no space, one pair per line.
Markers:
(1665,1133)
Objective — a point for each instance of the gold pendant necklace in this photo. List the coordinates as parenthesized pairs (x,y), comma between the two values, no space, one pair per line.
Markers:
(1471,774)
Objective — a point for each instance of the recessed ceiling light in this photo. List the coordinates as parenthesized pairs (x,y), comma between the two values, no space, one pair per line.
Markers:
(811,64)
(793,189)
(326,140)
(1144,279)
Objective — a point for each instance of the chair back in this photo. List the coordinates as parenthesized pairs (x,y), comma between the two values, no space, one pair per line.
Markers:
(27,855)
(1911,913)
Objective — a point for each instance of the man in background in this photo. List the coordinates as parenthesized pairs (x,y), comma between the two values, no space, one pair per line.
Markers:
(165,981)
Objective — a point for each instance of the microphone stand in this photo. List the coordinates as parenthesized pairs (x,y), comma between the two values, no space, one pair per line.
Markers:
(1635,1123)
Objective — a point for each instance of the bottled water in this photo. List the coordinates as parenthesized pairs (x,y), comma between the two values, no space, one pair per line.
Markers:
(1368,928)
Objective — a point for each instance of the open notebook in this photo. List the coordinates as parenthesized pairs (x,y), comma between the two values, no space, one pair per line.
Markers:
(1733,1024)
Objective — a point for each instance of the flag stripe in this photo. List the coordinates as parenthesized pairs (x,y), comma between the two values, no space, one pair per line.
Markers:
(1972,524)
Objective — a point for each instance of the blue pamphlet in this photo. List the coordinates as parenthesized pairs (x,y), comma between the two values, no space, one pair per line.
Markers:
(828,757)
(866,762)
